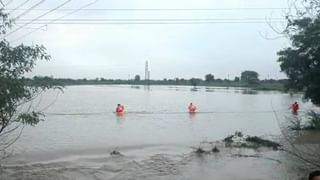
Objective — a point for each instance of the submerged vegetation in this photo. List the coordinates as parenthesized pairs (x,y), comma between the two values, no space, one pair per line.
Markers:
(115,152)
(237,140)
(312,122)
(257,142)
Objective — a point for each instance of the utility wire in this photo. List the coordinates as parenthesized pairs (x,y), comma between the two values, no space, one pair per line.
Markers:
(29,9)
(143,19)
(170,9)
(52,21)
(9,2)
(19,6)
(186,22)
(64,3)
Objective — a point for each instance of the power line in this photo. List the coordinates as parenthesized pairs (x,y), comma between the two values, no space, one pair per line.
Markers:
(162,9)
(9,2)
(149,19)
(19,6)
(199,22)
(68,14)
(64,3)
(29,9)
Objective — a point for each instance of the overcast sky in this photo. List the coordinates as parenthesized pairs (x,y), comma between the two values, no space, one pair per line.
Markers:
(173,50)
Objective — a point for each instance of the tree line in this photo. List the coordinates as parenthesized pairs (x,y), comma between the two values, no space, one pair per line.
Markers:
(247,78)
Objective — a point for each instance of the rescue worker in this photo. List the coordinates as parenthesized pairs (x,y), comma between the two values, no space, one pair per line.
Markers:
(192,108)
(295,107)
(120,108)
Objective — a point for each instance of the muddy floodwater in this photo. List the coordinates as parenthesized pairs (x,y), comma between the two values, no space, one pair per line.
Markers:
(156,136)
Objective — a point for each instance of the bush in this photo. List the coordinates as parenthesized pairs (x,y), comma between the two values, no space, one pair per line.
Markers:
(314,120)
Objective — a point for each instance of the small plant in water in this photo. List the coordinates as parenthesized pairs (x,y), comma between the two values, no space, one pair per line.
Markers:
(236,137)
(314,120)
(215,149)
(295,124)
(257,141)
(228,139)
(115,152)
(239,140)
(238,134)
(200,151)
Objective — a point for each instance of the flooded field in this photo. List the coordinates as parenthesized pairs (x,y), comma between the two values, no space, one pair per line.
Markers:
(156,136)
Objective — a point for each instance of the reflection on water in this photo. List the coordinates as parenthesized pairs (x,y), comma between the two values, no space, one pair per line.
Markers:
(135,86)
(195,89)
(120,118)
(81,124)
(192,116)
(209,89)
(249,91)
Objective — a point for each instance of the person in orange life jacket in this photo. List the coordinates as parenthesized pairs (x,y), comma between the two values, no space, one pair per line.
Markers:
(192,108)
(120,108)
(295,107)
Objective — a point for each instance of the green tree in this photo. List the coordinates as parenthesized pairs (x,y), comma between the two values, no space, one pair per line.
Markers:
(137,78)
(251,77)
(209,78)
(301,61)
(15,90)
(236,79)
(195,81)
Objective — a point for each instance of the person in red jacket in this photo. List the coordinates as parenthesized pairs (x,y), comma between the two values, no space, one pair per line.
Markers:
(120,108)
(295,107)
(192,108)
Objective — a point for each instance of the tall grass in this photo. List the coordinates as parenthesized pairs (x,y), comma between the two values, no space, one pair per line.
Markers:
(314,120)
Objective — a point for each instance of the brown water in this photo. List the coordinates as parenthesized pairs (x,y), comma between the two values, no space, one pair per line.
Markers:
(155,136)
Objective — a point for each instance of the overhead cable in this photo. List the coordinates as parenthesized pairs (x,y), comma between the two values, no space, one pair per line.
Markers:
(9,2)
(53,20)
(19,6)
(29,9)
(163,9)
(30,22)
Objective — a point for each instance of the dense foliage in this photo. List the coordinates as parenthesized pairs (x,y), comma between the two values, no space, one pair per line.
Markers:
(14,90)
(301,61)
(209,78)
(251,77)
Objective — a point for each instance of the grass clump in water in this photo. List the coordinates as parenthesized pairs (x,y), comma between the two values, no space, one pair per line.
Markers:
(231,138)
(262,142)
(314,121)
(241,141)
(115,152)
(206,149)
(215,149)
(199,150)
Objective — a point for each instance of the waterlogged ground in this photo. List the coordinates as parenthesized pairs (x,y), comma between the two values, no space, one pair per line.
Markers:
(156,137)
(154,166)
